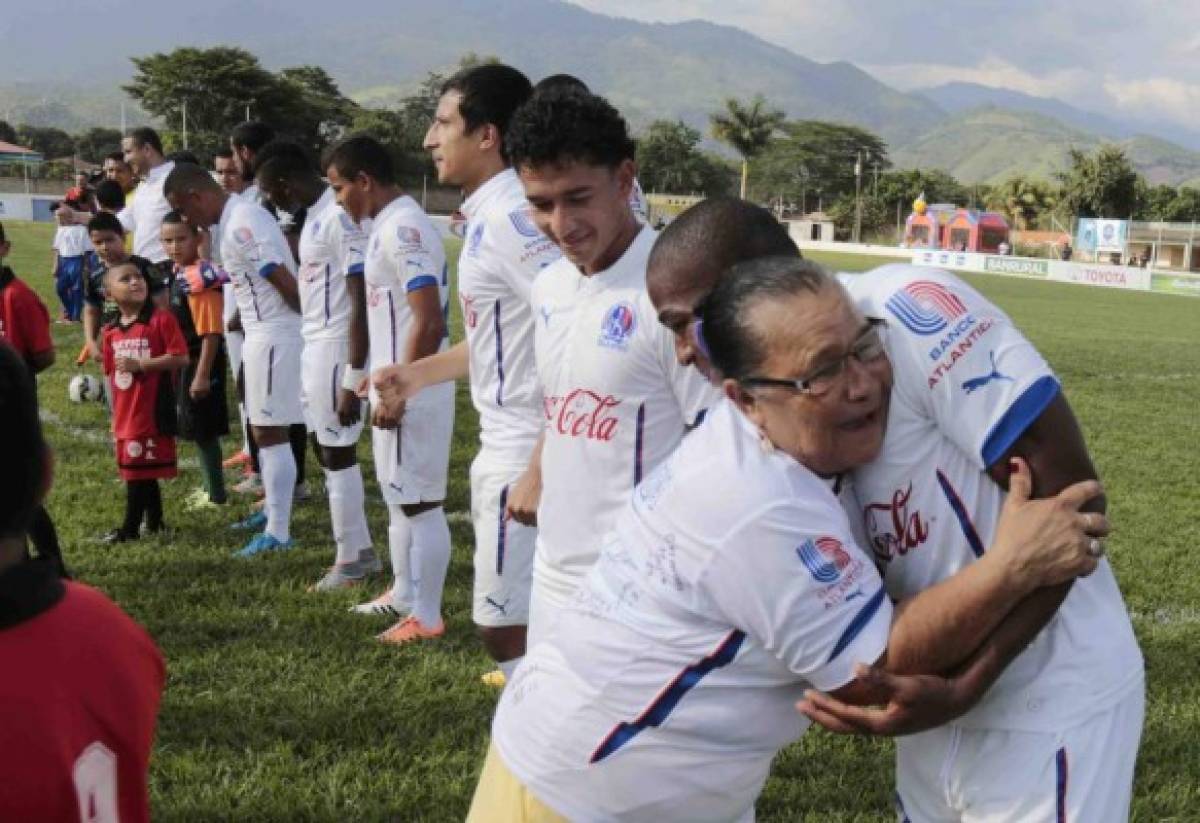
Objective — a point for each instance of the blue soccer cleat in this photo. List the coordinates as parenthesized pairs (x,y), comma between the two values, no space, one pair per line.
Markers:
(253,523)
(262,544)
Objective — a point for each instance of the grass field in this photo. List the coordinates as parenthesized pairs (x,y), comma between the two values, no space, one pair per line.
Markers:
(279,706)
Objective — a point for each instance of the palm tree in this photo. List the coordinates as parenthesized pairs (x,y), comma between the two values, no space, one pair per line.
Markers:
(747,129)
(1023,200)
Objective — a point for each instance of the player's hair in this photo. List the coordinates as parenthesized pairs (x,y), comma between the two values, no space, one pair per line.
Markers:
(25,449)
(708,238)
(731,341)
(183,156)
(491,93)
(568,125)
(188,177)
(361,154)
(283,160)
(225,153)
(175,218)
(252,135)
(128,264)
(110,195)
(118,157)
(106,221)
(146,136)
(560,81)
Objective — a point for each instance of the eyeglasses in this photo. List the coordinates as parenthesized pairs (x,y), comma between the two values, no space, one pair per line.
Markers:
(868,348)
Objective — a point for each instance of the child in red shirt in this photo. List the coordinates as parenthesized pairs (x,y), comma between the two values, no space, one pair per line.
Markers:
(142,348)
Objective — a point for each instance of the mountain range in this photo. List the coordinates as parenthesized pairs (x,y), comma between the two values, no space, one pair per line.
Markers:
(380,50)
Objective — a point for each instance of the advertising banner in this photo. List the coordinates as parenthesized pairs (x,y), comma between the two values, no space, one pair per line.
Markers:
(1114,277)
(1188,285)
(1101,235)
(1021,266)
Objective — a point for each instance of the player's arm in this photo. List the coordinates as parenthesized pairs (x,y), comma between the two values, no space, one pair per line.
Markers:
(285,283)
(525,494)
(349,405)
(401,381)
(429,325)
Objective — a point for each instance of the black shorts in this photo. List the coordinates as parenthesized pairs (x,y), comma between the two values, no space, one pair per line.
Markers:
(207,418)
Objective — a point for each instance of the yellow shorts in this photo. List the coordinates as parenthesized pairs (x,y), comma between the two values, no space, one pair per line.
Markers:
(500,797)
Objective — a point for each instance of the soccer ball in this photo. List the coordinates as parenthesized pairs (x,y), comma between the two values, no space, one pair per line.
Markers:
(85,387)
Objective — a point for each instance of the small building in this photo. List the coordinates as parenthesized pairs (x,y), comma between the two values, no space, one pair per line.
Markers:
(13,155)
(666,207)
(815,226)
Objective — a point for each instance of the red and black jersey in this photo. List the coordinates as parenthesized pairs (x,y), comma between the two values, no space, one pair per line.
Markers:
(24,319)
(79,699)
(143,402)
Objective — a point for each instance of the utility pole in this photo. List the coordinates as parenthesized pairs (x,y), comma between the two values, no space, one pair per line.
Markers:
(858,196)
(185,140)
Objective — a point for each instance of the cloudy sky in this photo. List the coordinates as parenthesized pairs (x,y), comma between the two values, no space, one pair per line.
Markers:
(1133,58)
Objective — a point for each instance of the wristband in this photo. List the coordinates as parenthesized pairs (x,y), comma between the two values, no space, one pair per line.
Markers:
(352,378)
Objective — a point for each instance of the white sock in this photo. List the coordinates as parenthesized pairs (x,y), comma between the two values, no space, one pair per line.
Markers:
(245,427)
(509,666)
(347,512)
(279,481)
(430,560)
(399,542)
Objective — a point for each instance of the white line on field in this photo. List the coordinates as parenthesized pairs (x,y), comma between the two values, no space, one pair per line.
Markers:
(1168,616)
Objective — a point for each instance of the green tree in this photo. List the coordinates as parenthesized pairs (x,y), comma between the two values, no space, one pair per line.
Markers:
(748,129)
(670,160)
(877,216)
(318,111)
(1023,200)
(1103,184)
(97,142)
(7,133)
(812,159)
(903,186)
(50,142)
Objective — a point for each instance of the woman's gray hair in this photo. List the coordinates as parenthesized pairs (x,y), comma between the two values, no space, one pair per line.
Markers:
(725,332)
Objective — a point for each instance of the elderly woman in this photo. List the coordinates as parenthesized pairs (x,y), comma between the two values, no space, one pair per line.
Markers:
(733,582)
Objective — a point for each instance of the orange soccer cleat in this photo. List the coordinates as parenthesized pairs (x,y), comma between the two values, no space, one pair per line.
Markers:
(410,629)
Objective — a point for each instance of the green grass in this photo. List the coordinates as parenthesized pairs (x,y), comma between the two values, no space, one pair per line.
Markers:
(280,707)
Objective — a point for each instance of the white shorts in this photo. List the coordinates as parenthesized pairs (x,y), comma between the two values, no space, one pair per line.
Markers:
(1084,773)
(413,459)
(503,548)
(271,373)
(321,378)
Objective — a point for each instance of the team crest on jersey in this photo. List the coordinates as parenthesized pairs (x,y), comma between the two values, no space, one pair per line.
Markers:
(825,558)
(316,227)
(618,326)
(243,235)
(523,223)
(408,237)
(475,239)
(925,307)
(134,449)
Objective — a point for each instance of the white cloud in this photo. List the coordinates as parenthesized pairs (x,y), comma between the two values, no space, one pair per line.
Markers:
(1158,98)
(991,71)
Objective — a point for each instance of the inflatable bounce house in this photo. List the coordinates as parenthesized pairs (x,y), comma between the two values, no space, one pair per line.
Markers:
(946,227)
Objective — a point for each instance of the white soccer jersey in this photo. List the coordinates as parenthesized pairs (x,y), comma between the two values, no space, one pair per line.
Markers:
(251,245)
(730,584)
(503,253)
(616,402)
(331,249)
(967,384)
(72,241)
(404,253)
(145,212)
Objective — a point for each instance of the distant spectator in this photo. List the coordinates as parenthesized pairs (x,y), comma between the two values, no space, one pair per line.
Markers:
(71,247)
(226,170)
(1066,251)
(1004,249)
(116,169)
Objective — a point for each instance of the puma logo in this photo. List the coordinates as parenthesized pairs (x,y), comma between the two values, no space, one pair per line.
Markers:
(500,607)
(979,382)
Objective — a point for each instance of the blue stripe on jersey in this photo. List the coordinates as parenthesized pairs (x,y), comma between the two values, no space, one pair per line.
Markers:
(333,389)
(266,268)
(270,369)
(422,281)
(356,269)
(499,356)
(661,707)
(501,531)
(639,437)
(327,276)
(1020,416)
(900,812)
(392,324)
(960,511)
(254,299)
(1060,764)
(859,623)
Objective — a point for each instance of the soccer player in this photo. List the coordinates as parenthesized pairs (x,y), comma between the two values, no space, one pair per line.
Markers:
(929,502)
(333,302)
(141,348)
(196,299)
(260,264)
(733,579)
(70,252)
(615,400)
(246,141)
(143,217)
(226,170)
(496,269)
(24,319)
(82,682)
(407,293)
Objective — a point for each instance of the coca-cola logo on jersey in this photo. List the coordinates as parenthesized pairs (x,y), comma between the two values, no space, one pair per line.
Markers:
(583,413)
(893,530)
